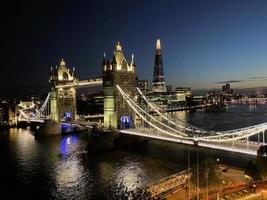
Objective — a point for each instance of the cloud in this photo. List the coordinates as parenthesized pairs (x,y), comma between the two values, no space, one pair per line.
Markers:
(253,78)
(230,81)
(258,77)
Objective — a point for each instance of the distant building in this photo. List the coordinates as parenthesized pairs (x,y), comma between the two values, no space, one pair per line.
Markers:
(8,113)
(223,88)
(213,98)
(227,89)
(169,88)
(143,85)
(12,115)
(181,95)
(184,90)
(26,105)
(197,100)
(2,116)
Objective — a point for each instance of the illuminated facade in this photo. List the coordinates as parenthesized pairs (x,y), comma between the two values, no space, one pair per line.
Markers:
(27,105)
(143,86)
(118,71)
(158,84)
(62,100)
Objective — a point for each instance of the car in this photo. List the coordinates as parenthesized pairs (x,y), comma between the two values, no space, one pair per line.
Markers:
(225,169)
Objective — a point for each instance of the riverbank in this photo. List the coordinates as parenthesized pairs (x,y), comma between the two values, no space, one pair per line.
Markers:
(232,180)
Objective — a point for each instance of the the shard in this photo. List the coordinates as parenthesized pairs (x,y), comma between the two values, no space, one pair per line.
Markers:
(158,84)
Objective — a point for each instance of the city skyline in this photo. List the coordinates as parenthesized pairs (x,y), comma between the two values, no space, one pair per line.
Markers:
(139,100)
(204,44)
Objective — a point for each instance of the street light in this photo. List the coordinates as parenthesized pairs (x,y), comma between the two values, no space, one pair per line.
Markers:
(223,182)
(218,161)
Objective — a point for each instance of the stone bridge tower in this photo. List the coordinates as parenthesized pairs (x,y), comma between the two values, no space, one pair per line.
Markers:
(62,97)
(118,71)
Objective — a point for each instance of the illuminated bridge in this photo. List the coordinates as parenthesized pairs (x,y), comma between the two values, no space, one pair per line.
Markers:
(128,110)
(35,114)
(164,126)
(43,113)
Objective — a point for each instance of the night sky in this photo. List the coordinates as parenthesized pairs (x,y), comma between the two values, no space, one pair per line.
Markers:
(205,43)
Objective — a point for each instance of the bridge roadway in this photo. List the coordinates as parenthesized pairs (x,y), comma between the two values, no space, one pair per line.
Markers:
(86,124)
(31,120)
(239,146)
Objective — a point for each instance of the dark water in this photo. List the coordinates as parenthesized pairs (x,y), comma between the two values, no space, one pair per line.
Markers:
(57,167)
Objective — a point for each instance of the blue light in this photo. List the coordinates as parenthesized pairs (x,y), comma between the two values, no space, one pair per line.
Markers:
(65,144)
(126,121)
(67,115)
(65,126)
(64,147)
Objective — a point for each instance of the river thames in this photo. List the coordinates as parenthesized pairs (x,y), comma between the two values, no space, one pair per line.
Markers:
(58,167)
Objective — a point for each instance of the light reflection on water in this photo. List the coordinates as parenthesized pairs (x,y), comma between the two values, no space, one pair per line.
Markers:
(131,175)
(71,175)
(66,145)
(68,170)
(57,168)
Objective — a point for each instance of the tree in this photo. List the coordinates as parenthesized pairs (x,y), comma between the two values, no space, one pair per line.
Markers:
(262,151)
(252,170)
(261,161)
(211,175)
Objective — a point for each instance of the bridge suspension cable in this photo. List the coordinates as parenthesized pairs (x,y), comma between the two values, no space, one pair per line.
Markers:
(215,137)
(45,103)
(36,114)
(173,120)
(134,106)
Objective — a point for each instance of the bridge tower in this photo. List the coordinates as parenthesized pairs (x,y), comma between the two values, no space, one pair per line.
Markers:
(118,72)
(62,99)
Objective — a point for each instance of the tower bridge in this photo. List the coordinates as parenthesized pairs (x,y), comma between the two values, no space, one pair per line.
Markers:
(127,110)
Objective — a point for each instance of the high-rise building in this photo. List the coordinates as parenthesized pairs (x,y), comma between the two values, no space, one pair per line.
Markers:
(227,89)
(158,84)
